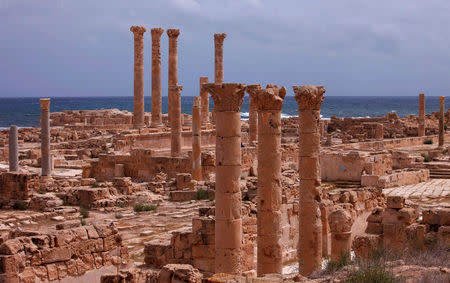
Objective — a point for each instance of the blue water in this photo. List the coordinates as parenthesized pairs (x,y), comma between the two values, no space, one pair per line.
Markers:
(24,112)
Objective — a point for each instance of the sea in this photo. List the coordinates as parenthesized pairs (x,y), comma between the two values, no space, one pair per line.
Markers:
(24,112)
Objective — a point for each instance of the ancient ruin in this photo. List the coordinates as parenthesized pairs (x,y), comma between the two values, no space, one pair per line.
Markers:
(118,196)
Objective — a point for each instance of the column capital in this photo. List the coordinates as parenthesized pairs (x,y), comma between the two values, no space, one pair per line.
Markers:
(197,101)
(173,33)
(45,103)
(138,30)
(270,98)
(219,37)
(441,99)
(309,96)
(156,33)
(252,89)
(226,96)
(176,88)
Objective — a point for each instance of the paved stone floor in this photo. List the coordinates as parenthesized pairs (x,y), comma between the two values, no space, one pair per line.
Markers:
(435,192)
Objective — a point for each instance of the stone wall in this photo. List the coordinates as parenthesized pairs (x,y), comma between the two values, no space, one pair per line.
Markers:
(16,186)
(91,117)
(396,178)
(33,256)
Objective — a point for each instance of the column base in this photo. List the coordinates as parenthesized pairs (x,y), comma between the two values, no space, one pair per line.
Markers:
(156,125)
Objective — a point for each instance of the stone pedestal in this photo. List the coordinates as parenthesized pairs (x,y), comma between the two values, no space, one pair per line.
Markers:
(309,99)
(341,237)
(205,101)
(196,140)
(421,118)
(45,137)
(252,114)
(228,229)
(13,149)
(175,121)
(138,112)
(156,77)
(268,103)
(379,131)
(441,120)
(173,65)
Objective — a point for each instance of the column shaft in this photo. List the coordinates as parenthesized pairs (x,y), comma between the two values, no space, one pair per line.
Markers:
(441,120)
(156,77)
(252,121)
(138,112)
(175,122)
(196,141)
(13,149)
(205,101)
(45,137)
(173,64)
(421,118)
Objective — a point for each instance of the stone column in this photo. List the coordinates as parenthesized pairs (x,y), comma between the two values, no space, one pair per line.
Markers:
(228,228)
(252,113)
(441,120)
(218,63)
(326,246)
(156,77)
(196,140)
(205,101)
(309,99)
(173,65)
(13,149)
(421,115)
(45,137)
(379,131)
(138,112)
(341,236)
(175,121)
(268,103)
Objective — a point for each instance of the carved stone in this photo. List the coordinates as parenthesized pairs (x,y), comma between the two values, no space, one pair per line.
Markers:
(341,236)
(205,101)
(138,112)
(156,77)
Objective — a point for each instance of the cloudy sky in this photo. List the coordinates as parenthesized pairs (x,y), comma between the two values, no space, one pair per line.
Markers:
(353,47)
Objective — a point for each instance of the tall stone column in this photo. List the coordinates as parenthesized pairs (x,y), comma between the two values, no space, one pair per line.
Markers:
(205,101)
(45,137)
(341,236)
(252,113)
(196,140)
(268,103)
(309,99)
(13,149)
(228,228)
(175,121)
(173,64)
(421,119)
(156,77)
(441,120)
(218,63)
(138,112)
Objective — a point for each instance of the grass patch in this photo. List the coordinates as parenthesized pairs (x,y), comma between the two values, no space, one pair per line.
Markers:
(95,185)
(426,157)
(428,141)
(20,205)
(118,216)
(84,212)
(140,207)
(42,191)
(120,204)
(83,222)
(372,273)
(202,194)
(343,260)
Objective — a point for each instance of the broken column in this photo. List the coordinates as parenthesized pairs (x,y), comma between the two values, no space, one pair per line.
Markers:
(309,99)
(156,77)
(252,113)
(196,141)
(13,149)
(228,228)
(175,121)
(379,131)
(218,62)
(138,112)
(421,115)
(268,103)
(205,101)
(341,236)
(441,120)
(45,137)
(173,64)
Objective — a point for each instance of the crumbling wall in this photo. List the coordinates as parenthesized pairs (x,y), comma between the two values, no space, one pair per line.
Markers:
(16,186)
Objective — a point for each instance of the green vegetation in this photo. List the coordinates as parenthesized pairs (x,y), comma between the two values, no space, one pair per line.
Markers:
(20,205)
(428,141)
(202,194)
(140,207)
(95,185)
(426,157)
(332,266)
(84,212)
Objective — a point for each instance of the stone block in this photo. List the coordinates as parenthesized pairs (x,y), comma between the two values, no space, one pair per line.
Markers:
(395,202)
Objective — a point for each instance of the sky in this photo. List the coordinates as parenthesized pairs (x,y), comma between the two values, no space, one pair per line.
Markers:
(352,47)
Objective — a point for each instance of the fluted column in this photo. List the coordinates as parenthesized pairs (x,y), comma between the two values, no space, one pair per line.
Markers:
(173,64)
(309,99)
(175,121)
(421,118)
(196,140)
(252,113)
(45,137)
(341,236)
(205,101)
(268,103)
(441,120)
(13,149)
(138,112)
(228,229)
(156,77)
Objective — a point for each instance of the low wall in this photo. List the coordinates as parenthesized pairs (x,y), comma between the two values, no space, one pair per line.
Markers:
(399,178)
